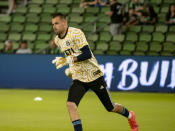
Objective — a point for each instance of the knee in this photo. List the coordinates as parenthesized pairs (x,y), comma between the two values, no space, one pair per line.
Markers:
(71,105)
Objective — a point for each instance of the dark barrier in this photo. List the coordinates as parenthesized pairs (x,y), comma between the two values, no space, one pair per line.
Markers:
(135,73)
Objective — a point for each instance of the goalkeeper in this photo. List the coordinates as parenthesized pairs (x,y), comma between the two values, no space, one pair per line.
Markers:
(85,72)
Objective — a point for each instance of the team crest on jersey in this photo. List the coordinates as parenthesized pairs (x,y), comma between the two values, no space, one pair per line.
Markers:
(67,43)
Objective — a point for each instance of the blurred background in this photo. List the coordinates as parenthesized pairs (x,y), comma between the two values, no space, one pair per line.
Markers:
(145,27)
(133,41)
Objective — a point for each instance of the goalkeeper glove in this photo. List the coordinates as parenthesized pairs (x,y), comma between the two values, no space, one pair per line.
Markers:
(68,72)
(61,61)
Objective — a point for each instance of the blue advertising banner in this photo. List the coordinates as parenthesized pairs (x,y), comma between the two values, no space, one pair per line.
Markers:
(139,73)
(122,73)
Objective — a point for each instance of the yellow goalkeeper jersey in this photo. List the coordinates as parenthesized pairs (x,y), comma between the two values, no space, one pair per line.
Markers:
(70,44)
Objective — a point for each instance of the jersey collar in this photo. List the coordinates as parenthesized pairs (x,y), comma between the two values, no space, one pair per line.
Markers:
(64,35)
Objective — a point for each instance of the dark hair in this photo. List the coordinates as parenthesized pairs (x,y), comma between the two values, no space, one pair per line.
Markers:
(62,16)
(24,41)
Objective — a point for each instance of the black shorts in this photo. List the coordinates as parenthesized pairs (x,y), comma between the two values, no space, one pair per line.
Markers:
(78,90)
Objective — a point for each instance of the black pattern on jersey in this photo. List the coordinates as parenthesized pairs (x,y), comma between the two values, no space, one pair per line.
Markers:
(69,52)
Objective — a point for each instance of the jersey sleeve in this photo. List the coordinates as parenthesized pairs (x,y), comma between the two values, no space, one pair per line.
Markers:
(79,38)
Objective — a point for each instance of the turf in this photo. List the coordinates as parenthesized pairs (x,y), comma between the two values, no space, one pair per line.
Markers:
(19,112)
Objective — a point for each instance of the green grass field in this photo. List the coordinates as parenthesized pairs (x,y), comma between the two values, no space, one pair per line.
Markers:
(19,112)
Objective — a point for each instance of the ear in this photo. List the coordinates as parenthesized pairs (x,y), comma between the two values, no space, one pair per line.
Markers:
(65,22)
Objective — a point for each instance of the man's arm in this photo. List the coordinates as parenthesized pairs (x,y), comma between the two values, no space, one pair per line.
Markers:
(109,13)
(86,54)
(92,3)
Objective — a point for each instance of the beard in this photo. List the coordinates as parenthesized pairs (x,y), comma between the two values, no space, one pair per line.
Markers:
(58,32)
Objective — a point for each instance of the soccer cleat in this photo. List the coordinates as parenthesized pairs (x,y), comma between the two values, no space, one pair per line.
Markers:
(132,122)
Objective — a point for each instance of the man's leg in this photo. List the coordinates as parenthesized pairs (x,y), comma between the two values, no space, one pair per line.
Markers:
(74,116)
(76,92)
(73,111)
(104,96)
(113,29)
(118,108)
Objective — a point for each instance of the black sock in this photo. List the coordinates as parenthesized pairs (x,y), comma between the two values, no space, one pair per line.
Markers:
(125,112)
(77,125)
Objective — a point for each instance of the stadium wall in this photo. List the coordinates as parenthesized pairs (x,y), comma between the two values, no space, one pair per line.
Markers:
(122,73)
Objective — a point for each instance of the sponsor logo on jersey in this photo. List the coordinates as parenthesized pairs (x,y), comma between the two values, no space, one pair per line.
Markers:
(67,43)
(102,87)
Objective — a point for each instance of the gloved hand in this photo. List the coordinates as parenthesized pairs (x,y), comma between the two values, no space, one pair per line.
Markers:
(61,61)
(68,72)
(69,60)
